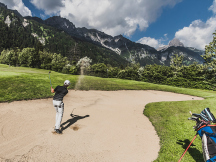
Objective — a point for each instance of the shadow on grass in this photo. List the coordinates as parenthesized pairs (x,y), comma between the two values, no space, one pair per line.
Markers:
(69,122)
(195,153)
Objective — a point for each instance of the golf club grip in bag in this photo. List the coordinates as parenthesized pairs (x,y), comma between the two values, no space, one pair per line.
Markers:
(207,113)
(208,135)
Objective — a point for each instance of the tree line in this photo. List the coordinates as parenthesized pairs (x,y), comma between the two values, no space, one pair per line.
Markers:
(201,76)
(192,76)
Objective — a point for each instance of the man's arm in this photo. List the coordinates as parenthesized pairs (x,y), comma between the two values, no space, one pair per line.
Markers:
(52,90)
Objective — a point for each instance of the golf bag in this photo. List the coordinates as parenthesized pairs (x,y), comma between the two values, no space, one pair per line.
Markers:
(207,132)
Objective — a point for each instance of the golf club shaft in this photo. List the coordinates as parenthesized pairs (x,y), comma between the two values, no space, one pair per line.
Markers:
(72,111)
(50,80)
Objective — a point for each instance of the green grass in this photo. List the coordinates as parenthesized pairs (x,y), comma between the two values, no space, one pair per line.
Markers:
(168,118)
(20,83)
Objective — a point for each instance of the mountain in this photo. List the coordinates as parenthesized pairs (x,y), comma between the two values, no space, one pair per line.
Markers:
(176,43)
(131,51)
(21,32)
(190,54)
(59,35)
(173,43)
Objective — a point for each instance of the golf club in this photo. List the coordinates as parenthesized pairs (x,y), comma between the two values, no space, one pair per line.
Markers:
(50,78)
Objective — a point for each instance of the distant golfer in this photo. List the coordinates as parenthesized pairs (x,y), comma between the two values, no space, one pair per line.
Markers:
(60,92)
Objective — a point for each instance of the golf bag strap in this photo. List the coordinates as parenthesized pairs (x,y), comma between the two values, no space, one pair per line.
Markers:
(205,126)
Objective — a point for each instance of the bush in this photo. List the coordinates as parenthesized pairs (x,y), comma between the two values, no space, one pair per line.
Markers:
(122,74)
(66,69)
(192,72)
(130,72)
(10,57)
(25,57)
(156,73)
(46,60)
(3,57)
(113,72)
(58,62)
(99,70)
(73,70)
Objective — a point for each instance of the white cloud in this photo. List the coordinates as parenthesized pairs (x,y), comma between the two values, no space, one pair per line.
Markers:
(113,17)
(198,34)
(49,6)
(156,43)
(213,7)
(17,5)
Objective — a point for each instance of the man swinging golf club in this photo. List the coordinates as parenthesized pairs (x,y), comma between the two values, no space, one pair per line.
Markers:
(60,92)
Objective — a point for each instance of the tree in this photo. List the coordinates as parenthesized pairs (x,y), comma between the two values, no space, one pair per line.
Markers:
(176,61)
(25,57)
(99,69)
(11,57)
(210,53)
(46,60)
(58,62)
(74,53)
(3,57)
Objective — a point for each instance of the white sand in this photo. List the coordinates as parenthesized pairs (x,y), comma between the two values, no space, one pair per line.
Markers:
(109,127)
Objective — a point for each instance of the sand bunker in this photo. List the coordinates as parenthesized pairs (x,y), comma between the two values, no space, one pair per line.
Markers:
(106,126)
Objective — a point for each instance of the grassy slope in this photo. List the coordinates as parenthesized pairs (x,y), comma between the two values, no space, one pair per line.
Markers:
(168,118)
(19,83)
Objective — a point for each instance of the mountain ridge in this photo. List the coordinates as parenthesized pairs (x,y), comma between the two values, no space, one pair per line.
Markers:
(130,51)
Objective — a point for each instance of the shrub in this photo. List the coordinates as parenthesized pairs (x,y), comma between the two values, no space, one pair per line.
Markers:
(73,70)
(3,56)
(46,60)
(58,62)
(25,57)
(113,72)
(130,72)
(156,73)
(99,70)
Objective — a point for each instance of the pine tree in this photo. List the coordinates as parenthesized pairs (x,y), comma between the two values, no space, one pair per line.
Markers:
(210,53)
(74,53)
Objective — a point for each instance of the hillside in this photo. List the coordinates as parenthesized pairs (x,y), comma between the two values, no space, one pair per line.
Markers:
(17,31)
(131,51)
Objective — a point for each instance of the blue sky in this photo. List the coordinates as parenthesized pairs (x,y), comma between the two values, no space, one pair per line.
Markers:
(152,22)
(173,19)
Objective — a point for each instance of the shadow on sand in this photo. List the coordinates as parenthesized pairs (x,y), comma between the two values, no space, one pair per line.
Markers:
(69,122)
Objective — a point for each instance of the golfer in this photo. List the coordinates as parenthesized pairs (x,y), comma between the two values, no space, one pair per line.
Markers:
(60,92)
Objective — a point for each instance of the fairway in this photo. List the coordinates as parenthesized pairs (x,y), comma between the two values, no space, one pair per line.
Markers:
(105,126)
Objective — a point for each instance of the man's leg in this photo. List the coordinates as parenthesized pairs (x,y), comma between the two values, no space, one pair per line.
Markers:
(59,107)
(59,115)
